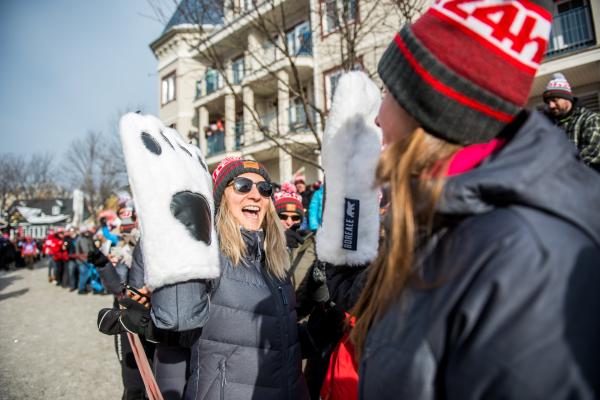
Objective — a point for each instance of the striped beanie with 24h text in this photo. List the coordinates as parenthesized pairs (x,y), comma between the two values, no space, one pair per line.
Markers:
(464,69)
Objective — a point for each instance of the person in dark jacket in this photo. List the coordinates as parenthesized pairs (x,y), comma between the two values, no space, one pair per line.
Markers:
(249,344)
(249,347)
(485,284)
(301,246)
(116,279)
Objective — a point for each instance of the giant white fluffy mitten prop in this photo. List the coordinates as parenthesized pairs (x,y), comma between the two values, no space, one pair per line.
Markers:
(351,146)
(172,189)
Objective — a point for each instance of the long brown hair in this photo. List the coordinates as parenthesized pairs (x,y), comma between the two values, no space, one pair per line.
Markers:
(406,166)
(233,247)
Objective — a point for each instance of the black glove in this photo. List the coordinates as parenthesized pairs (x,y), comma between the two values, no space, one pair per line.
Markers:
(293,238)
(97,258)
(317,283)
(326,326)
(135,318)
(111,280)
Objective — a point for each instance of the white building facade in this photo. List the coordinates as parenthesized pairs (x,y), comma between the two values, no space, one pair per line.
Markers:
(196,100)
(232,119)
(574,50)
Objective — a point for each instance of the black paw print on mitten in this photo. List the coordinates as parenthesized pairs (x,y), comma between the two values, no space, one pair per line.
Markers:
(190,208)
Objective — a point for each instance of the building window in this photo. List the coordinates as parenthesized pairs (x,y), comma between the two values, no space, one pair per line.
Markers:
(338,11)
(168,89)
(215,137)
(198,88)
(269,51)
(213,80)
(239,132)
(238,70)
(331,82)
(572,27)
(299,41)
(297,115)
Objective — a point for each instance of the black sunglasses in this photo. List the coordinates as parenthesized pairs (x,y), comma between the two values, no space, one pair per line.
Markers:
(244,185)
(295,218)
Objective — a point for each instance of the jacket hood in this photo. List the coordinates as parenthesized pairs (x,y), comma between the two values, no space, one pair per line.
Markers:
(538,168)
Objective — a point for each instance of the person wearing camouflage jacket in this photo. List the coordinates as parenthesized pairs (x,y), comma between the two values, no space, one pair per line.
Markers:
(581,125)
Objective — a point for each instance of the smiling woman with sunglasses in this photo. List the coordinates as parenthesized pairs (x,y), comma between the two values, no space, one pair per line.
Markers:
(249,348)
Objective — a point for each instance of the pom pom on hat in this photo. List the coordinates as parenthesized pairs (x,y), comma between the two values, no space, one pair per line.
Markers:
(288,187)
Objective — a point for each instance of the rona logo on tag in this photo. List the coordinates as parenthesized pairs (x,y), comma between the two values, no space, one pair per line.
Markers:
(518,29)
(351,213)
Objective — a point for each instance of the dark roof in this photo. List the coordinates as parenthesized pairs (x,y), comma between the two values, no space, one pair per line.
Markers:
(65,204)
(196,12)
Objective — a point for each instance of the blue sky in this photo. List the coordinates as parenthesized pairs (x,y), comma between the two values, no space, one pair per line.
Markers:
(68,66)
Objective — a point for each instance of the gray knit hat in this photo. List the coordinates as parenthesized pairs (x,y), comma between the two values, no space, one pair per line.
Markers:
(558,87)
(464,69)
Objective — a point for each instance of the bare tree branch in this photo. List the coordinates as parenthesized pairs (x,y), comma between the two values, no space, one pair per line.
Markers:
(270,19)
(88,165)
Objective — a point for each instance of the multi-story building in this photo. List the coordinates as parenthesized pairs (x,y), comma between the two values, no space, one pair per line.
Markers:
(234,106)
(574,50)
(267,86)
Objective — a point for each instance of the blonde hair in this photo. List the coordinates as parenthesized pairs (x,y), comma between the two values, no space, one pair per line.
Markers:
(233,247)
(406,166)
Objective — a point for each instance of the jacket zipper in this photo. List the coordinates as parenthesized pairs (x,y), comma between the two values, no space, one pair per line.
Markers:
(222,368)
(283,328)
(283,298)
(259,245)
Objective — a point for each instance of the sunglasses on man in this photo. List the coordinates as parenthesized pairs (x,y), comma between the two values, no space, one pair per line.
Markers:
(294,218)
(244,185)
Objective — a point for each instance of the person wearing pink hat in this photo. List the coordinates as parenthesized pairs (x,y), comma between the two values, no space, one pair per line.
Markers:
(304,191)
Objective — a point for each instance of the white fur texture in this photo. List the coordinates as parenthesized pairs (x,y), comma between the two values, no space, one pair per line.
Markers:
(171,254)
(351,149)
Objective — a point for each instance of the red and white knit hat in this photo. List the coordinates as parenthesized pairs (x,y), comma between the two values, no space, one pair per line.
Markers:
(558,87)
(288,202)
(231,167)
(464,69)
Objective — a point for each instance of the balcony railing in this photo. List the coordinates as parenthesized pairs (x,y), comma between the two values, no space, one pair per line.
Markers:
(571,31)
(268,122)
(239,134)
(297,118)
(215,143)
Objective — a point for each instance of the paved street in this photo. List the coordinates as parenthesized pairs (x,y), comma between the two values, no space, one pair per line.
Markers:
(50,347)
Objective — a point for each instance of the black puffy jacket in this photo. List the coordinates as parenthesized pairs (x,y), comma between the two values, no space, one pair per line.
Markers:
(249,347)
(513,306)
